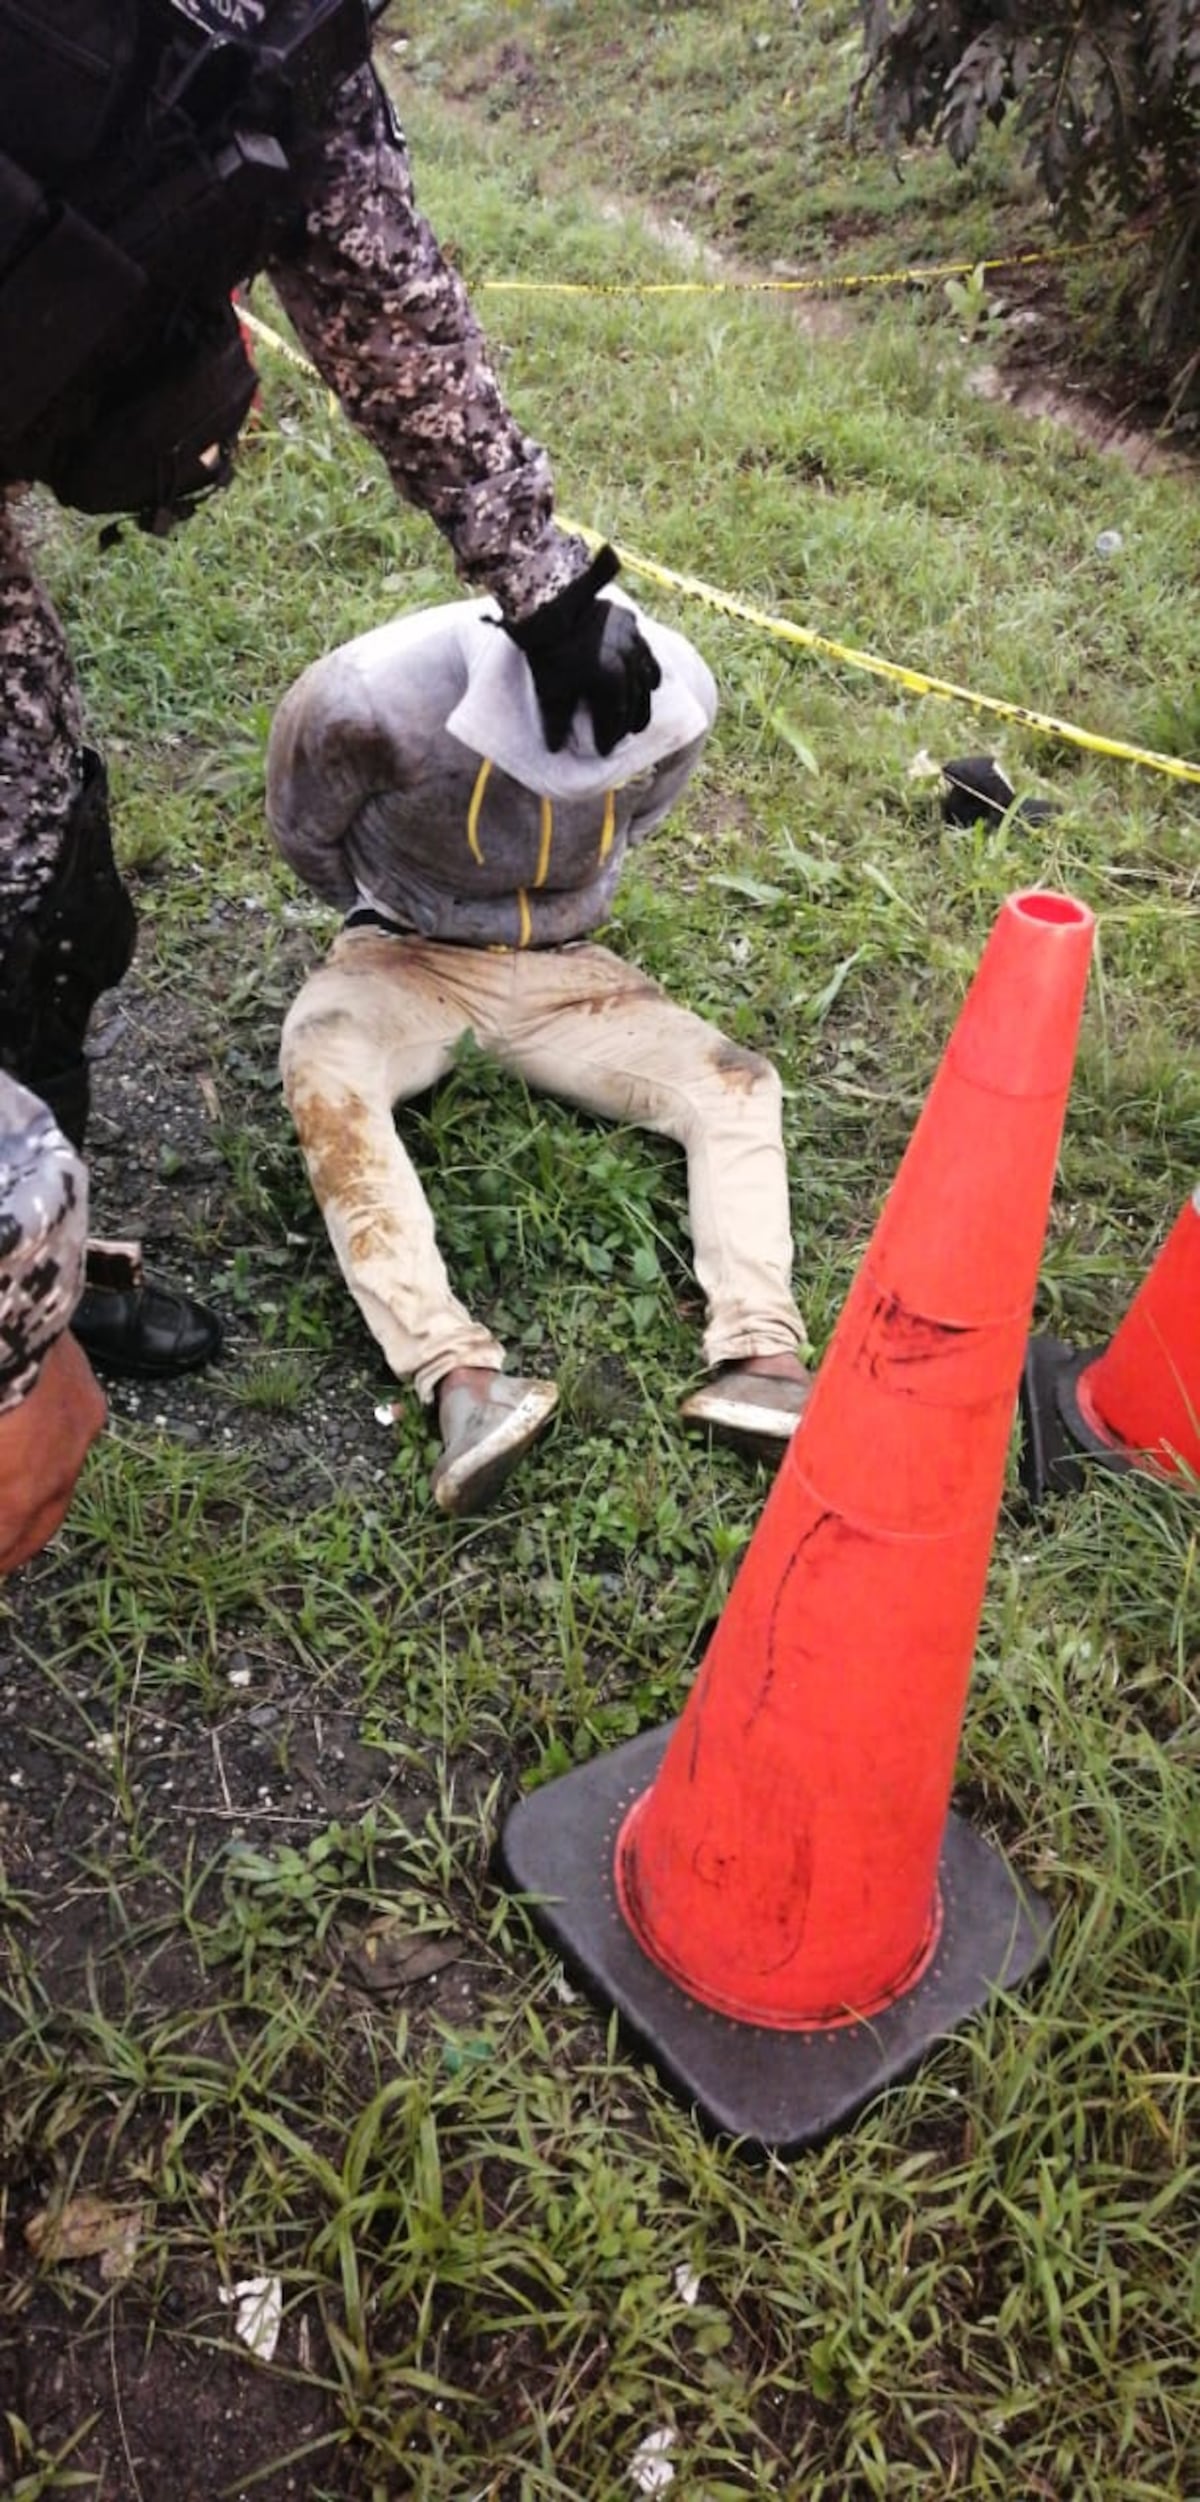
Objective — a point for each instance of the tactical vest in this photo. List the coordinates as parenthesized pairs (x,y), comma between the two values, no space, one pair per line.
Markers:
(151,154)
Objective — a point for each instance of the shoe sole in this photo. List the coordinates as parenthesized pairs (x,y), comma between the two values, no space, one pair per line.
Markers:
(764,1432)
(468,1483)
(768,1424)
(174,1369)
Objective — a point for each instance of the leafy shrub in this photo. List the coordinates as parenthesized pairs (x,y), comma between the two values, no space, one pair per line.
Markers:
(1108,98)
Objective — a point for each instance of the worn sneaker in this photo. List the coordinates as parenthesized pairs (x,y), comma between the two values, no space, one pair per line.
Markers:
(483,1437)
(758,1411)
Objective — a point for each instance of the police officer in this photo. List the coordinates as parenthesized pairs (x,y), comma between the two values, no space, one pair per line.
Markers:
(154,153)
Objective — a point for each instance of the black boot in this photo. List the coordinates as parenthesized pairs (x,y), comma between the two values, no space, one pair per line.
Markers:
(127,1323)
(77,943)
(978,792)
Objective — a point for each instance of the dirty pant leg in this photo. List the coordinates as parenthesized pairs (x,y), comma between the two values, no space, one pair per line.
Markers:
(371,1027)
(612,1042)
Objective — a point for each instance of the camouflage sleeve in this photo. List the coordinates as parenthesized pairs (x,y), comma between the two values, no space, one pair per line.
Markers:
(389,326)
(43,1186)
(40,734)
(43,1230)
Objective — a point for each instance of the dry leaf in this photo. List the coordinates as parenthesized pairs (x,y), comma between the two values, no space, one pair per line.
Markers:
(388,1956)
(116,2263)
(86,2228)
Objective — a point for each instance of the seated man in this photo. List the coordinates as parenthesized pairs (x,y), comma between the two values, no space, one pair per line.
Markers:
(410,784)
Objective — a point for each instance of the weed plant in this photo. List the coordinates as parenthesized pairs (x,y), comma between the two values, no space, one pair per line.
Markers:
(506,2255)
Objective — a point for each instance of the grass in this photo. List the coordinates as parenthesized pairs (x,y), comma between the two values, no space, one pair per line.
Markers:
(478,2203)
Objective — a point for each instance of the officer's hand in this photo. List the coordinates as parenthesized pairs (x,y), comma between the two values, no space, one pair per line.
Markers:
(585,650)
(43,1445)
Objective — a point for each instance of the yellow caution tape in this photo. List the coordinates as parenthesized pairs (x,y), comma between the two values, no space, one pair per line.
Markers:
(844,284)
(284,348)
(271,338)
(916,681)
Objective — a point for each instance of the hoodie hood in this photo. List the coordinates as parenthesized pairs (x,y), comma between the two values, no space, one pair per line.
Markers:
(498,717)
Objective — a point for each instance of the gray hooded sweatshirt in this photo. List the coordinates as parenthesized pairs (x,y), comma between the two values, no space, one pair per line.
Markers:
(407,771)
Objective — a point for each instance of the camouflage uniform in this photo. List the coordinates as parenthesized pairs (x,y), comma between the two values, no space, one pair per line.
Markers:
(389,326)
(41,740)
(43,1223)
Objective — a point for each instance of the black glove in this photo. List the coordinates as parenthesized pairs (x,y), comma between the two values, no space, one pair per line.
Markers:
(584,650)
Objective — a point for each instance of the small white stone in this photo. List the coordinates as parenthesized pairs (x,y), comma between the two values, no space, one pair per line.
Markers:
(650,2468)
(259,2313)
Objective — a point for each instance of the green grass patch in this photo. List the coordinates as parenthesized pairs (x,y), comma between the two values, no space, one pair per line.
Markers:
(267,1708)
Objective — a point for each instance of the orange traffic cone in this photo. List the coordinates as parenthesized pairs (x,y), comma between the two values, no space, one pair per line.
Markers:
(771,1893)
(1132,1404)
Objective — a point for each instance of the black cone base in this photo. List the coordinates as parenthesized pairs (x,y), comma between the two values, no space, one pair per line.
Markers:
(779,2091)
(1056,1439)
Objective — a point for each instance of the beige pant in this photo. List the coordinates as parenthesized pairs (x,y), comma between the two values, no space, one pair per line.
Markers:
(379,1021)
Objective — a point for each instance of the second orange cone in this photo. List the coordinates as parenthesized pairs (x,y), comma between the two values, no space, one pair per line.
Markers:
(1134,1403)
